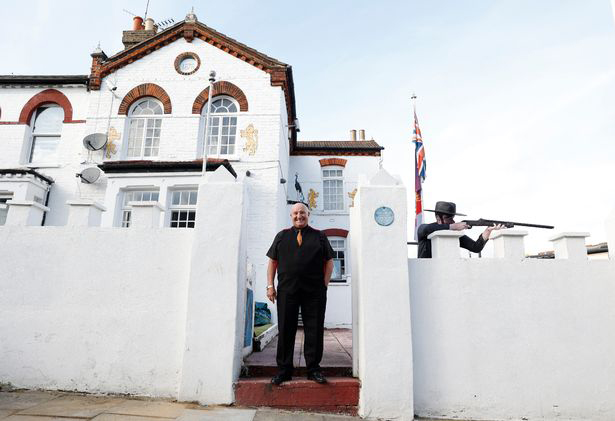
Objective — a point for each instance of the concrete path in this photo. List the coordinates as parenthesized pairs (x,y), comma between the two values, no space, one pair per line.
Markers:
(43,406)
(337,350)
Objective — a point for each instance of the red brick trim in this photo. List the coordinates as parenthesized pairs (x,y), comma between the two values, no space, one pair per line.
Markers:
(76,121)
(333,161)
(48,96)
(146,89)
(11,122)
(221,88)
(336,232)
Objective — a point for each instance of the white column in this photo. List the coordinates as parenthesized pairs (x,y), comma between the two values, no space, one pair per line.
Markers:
(84,213)
(145,214)
(445,244)
(570,245)
(216,293)
(25,213)
(382,339)
(509,244)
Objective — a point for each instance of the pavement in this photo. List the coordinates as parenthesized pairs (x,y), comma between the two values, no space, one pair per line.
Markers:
(337,350)
(30,405)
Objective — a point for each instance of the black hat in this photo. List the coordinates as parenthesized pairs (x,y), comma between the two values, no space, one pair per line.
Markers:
(447,208)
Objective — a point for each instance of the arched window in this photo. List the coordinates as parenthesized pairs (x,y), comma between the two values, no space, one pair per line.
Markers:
(144,129)
(339,259)
(46,126)
(223,130)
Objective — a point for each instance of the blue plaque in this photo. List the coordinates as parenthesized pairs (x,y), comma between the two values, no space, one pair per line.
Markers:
(384,216)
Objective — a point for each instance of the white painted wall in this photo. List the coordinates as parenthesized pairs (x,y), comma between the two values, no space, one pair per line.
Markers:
(93,309)
(513,338)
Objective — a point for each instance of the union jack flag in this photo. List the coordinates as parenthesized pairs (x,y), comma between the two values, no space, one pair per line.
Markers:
(420,167)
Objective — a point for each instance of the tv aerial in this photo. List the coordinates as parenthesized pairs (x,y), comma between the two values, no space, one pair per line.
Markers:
(95,141)
(89,175)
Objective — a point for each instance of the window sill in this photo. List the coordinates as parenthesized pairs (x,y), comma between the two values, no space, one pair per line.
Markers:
(339,284)
(34,165)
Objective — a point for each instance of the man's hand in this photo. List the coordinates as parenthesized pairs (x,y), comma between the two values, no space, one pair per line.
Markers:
(487,232)
(459,226)
(271,294)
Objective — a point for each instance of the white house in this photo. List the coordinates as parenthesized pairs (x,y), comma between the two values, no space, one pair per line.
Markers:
(150,102)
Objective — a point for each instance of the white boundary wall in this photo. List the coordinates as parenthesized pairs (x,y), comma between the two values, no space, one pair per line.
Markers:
(514,338)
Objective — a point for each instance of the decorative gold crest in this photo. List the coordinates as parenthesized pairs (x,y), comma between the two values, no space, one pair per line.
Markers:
(251,135)
(111,148)
(312,195)
(352,194)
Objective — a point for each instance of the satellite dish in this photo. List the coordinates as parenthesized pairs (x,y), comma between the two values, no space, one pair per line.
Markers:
(95,141)
(89,175)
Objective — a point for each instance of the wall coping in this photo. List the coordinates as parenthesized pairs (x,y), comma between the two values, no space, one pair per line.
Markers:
(446,233)
(569,235)
(86,202)
(27,203)
(508,233)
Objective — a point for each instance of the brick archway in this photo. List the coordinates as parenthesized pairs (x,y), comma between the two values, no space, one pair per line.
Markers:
(333,161)
(336,232)
(48,96)
(146,89)
(221,88)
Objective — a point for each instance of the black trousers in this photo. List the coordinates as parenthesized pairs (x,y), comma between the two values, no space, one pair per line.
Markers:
(313,305)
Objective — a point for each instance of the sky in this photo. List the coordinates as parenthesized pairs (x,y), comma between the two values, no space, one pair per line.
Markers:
(514,98)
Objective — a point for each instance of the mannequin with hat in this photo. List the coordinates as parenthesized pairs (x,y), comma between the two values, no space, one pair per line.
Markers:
(445,220)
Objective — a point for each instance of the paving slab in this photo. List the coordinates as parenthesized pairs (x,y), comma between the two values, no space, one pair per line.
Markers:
(25,399)
(74,406)
(5,413)
(118,417)
(38,418)
(148,408)
(278,415)
(218,414)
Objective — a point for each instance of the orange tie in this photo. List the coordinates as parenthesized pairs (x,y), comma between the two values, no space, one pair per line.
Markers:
(299,238)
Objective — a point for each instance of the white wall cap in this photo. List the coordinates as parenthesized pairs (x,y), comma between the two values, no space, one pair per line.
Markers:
(86,202)
(27,203)
(446,233)
(508,233)
(569,235)
(152,204)
(383,178)
(221,175)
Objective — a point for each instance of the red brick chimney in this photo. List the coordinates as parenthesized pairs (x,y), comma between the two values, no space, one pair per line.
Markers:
(139,32)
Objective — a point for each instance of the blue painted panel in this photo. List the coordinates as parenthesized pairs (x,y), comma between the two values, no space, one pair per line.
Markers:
(249,328)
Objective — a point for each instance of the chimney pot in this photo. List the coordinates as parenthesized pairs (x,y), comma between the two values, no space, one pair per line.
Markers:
(361,134)
(149,24)
(137,23)
(353,135)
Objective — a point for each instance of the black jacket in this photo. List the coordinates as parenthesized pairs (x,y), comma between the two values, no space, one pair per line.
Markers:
(425,244)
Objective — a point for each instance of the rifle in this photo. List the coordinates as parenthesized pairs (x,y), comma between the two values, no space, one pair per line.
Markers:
(490,222)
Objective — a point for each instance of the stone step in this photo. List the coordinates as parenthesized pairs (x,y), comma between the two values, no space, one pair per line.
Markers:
(340,395)
(270,371)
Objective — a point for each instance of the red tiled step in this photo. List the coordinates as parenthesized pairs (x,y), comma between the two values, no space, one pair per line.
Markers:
(338,395)
(270,371)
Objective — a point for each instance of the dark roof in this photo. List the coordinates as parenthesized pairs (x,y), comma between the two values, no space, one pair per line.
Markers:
(165,166)
(44,80)
(339,144)
(24,171)
(337,147)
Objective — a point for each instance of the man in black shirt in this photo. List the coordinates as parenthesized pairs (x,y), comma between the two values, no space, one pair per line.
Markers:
(445,213)
(303,259)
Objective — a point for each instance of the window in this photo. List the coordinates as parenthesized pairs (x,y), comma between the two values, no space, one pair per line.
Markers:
(333,189)
(183,208)
(135,196)
(223,128)
(144,130)
(46,128)
(339,259)
(4,208)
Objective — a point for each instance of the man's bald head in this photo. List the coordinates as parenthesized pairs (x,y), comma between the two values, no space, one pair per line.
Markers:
(299,215)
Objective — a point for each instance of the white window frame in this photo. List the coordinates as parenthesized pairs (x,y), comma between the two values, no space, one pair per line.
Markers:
(215,152)
(335,244)
(333,178)
(148,119)
(134,195)
(46,135)
(4,197)
(185,205)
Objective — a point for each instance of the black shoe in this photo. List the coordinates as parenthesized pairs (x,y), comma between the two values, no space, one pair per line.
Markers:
(317,377)
(279,378)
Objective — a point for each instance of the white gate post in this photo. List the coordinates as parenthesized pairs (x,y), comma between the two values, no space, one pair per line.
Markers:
(216,293)
(382,340)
